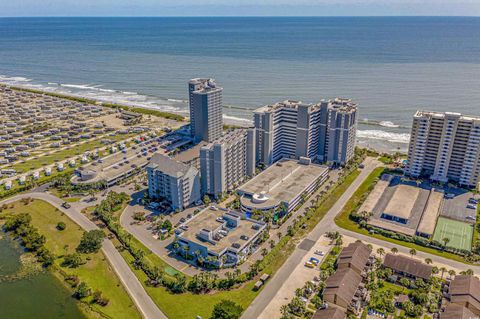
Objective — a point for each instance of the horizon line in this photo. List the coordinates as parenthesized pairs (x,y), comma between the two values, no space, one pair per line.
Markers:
(244,16)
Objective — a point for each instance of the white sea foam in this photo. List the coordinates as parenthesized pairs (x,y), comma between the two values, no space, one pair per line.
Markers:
(13,79)
(382,135)
(234,119)
(388,124)
(175,100)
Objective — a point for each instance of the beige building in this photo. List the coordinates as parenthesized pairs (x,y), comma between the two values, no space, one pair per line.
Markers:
(445,146)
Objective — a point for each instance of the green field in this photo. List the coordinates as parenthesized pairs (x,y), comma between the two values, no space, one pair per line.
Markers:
(459,233)
(96,272)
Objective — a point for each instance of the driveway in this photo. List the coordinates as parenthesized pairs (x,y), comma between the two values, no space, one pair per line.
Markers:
(326,224)
(132,285)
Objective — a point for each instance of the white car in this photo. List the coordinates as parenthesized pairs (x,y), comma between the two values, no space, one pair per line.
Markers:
(319,252)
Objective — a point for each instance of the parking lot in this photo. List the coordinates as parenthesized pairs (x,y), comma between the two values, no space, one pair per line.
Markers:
(300,275)
(455,206)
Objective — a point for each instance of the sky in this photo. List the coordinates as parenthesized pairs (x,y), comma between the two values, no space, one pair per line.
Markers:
(22,8)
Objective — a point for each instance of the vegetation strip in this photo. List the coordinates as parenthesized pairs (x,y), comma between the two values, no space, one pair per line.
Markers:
(346,219)
(57,242)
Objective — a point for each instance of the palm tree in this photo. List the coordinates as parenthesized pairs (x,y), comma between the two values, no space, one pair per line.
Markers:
(185,250)
(381,252)
(264,252)
(279,235)
(413,252)
(446,241)
(394,250)
(451,273)
(428,261)
(443,270)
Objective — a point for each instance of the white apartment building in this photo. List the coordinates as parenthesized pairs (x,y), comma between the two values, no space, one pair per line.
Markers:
(325,131)
(172,181)
(445,146)
(227,161)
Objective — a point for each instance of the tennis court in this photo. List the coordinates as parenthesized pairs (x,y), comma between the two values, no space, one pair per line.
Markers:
(459,233)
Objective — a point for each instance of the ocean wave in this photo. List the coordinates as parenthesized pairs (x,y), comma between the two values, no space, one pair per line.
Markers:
(235,119)
(176,100)
(388,124)
(14,79)
(386,136)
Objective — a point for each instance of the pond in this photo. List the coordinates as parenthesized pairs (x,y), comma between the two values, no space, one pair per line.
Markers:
(39,295)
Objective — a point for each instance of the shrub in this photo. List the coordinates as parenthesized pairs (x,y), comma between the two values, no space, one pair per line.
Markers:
(61,226)
(91,241)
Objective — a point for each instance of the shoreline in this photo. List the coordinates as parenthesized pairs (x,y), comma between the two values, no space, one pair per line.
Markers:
(381,140)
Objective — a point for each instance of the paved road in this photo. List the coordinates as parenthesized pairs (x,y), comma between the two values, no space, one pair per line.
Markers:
(326,224)
(133,286)
(144,234)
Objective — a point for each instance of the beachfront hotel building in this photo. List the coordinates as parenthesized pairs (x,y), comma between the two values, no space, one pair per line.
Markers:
(445,146)
(205,98)
(325,131)
(227,161)
(174,182)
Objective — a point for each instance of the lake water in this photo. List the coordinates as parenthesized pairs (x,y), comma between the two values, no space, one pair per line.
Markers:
(391,66)
(40,296)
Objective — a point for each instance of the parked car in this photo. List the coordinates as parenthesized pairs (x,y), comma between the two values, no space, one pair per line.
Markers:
(319,252)
(309,265)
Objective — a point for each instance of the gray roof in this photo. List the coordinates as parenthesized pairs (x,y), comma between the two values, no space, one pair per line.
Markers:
(454,311)
(408,265)
(330,313)
(167,165)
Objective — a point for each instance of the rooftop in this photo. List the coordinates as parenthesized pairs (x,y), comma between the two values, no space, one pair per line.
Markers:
(355,254)
(167,165)
(281,182)
(343,283)
(210,219)
(447,114)
(398,206)
(465,289)
(330,313)
(429,217)
(408,265)
(454,311)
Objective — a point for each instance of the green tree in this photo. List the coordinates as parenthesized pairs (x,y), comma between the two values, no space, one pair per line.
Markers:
(72,260)
(226,309)
(394,250)
(82,291)
(206,200)
(91,241)
(413,252)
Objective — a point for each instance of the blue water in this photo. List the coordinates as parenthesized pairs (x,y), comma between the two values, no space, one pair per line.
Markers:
(390,66)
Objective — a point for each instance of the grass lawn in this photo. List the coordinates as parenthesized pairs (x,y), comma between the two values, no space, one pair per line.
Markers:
(188,305)
(385,160)
(66,153)
(459,233)
(343,220)
(96,272)
(397,290)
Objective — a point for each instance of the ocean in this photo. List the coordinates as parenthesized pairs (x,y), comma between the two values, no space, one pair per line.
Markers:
(391,66)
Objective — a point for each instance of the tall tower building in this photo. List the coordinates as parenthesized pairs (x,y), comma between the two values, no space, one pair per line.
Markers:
(339,131)
(445,146)
(226,162)
(291,129)
(205,109)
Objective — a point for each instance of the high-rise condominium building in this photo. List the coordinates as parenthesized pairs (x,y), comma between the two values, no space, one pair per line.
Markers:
(291,129)
(205,109)
(445,146)
(175,182)
(226,162)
